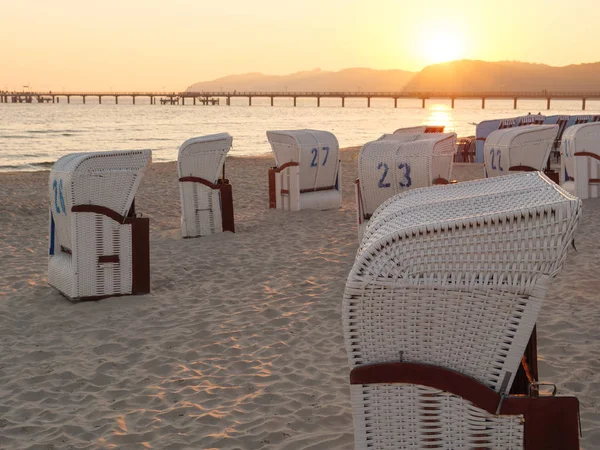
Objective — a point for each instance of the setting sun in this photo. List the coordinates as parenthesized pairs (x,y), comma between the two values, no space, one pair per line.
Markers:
(441,46)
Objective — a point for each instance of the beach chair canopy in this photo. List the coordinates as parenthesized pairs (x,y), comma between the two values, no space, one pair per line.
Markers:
(389,166)
(582,138)
(520,148)
(421,129)
(105,179)
(486,127)
(203,157)
(316,152)
(453,276)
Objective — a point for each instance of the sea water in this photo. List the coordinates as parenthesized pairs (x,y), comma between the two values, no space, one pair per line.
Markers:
(33,136)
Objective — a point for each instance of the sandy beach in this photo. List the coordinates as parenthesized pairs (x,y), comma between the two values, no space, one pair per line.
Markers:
(239,345)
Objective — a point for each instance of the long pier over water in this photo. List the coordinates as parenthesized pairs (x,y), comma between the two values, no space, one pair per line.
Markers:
(213,97)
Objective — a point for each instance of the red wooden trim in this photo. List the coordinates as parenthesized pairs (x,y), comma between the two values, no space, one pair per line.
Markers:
(325,188)
(440,180)
(285,191)
(272,193)
(65,250)
(108,259)
(591,180)
(285,166)
(199,180)
(140,254)
(522,169)
(591,155)
(99,210)
(550,422)
(228,222)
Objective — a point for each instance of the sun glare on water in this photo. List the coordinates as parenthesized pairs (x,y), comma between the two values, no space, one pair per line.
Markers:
(439,46)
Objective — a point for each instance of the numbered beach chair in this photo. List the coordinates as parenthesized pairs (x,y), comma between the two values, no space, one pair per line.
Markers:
(389,166)
(439,308)
(524,148)
(206,195)
(307,174)
(580,160)
(98,247)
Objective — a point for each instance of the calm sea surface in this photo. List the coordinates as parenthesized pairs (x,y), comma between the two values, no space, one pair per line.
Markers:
(33,136)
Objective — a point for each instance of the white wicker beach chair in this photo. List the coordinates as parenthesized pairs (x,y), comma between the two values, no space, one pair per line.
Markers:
(580,160)
(307,174)
(395,163)
(206,197)
(98,248)
(524,148)
(438,310)
(421,129)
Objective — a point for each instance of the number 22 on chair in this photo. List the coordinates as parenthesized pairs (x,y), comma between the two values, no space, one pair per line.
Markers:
(498,153)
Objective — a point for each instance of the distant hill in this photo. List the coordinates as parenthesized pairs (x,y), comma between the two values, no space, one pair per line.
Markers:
(314,80)
(478,76)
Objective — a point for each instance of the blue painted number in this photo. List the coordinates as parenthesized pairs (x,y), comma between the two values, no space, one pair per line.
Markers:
(499,153)
(385,167)
(59,200)
(493,153)
(406,168)
(315,153)
(326,155)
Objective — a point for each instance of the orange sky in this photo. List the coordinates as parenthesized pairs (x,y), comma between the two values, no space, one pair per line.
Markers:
(156,45)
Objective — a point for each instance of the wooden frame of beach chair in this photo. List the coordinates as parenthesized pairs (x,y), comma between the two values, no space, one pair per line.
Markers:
(397,162)
(525,148)
(438,310)
(308,170)
(206,196)
(580,160)
(98,247)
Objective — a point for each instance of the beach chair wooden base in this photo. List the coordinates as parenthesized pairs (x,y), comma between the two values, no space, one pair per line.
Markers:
(549,422)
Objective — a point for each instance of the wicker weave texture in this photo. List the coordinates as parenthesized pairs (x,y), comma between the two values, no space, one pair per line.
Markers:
(452,276)
(407,417)
(202,157)
(577,171)
(79,239)
(318,171)
(528,146)
(389,166)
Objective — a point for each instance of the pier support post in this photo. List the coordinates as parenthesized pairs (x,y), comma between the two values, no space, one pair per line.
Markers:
(84,99)
(116,99)
(452,101)
(183,100)
(133,98)
(423,103)
(228,101)
(583,104)
(318,101)
(249,101)
(68,99)
(294,101)
(194,101)
(343,102)
(548,103)
(483,103)
(151,100)
(395,102)
(99,99)
(271,101)
(368,102)
(515,103)
(53,99)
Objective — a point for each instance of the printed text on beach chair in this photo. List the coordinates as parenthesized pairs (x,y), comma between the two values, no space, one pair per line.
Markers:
(439,307)
(206,197)
(525,148)
(307,174)
(580,160)
(98,248)
(389,166)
